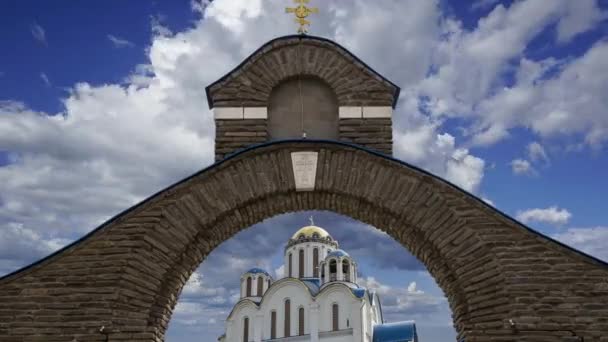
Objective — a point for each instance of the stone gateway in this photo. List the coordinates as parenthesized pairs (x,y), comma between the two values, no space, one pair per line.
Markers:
(503,281)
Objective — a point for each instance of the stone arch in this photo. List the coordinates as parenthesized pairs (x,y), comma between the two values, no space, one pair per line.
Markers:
(251,82)
(130,271)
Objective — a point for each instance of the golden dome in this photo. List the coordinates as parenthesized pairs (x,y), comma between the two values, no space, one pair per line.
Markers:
(308,231)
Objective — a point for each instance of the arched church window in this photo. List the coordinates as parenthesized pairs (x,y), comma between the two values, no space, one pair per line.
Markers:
(301,237)
(246,329)
(346,269)
(301,263)
(248,292)
(335,319)
(304,104)
(301,321)
(315,235)
(323,271)
(287,323)
(260,285)
(289,263)
(315,262)
(273,325)
(333,270)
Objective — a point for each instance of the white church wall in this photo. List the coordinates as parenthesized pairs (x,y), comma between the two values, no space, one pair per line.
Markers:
(299,296)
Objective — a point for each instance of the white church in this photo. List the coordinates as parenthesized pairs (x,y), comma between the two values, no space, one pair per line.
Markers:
(317,300)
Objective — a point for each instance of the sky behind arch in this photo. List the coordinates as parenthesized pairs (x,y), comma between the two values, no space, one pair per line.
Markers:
(102,104)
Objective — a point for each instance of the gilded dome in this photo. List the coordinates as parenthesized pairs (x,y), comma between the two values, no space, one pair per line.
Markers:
(309,231)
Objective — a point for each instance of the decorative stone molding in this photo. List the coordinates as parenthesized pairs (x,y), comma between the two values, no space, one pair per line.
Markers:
(240,113)
(354,112)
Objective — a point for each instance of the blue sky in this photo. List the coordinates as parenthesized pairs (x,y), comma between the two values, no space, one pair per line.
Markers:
(102,104)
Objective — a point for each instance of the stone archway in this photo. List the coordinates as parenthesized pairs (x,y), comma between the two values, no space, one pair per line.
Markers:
(127,274)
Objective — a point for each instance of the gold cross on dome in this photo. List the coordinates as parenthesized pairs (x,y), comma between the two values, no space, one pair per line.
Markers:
(302,12)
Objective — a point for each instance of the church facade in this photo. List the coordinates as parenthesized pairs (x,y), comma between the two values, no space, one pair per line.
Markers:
(318,299)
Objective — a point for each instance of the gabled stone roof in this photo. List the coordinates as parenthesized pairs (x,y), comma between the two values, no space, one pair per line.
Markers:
(250,83)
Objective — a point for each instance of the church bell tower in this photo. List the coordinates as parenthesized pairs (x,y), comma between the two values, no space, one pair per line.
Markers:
(302,87)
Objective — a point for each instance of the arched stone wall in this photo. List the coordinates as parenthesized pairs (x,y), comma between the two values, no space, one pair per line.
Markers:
(127,274)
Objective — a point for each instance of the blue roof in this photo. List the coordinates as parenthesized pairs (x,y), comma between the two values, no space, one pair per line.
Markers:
(337,253)
(257,270)
(313,285)
(359,293)
(396,332)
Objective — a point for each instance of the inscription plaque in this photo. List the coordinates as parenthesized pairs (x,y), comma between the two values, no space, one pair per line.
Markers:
(304,170)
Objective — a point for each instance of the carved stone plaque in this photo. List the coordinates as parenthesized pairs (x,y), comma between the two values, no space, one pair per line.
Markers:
(304,170)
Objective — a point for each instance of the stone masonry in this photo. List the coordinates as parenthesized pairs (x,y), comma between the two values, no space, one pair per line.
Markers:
(503,281)
(355,85)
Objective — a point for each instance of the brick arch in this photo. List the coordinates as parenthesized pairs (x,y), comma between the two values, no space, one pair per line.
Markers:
(250,83)
(127,274)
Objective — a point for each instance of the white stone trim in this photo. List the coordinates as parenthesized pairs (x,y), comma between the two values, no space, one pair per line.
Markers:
(255,113)
(240,113)
(377,112)
(232,113)
(350,112)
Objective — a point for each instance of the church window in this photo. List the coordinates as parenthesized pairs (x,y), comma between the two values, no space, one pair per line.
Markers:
(315,235)
(301,264)
(287,325)
(268,284)
(289,265)
(301,321)
(273,325)
(315,262)
(260,286)
(335,319)
(246,329)
(248,292)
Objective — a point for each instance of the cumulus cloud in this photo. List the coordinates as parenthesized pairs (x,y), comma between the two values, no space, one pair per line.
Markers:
(536,152)
(551,215)
(591,240)
(438,153)
(19,245)
(522,167)
(118,42)
(407,301)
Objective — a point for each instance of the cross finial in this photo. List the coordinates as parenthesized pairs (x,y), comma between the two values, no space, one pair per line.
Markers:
(302,12)
(312,222)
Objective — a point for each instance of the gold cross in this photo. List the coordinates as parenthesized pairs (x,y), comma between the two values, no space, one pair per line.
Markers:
(302,12)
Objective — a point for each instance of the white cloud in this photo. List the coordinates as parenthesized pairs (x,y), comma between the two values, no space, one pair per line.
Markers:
(279,272)
(592,240)
(536,152)
(38,33)
(119,42)
(580,16)
(438,153)
(19,245)
(483,4)
(408,302)
(562,98)
(522,167)
(551,215)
